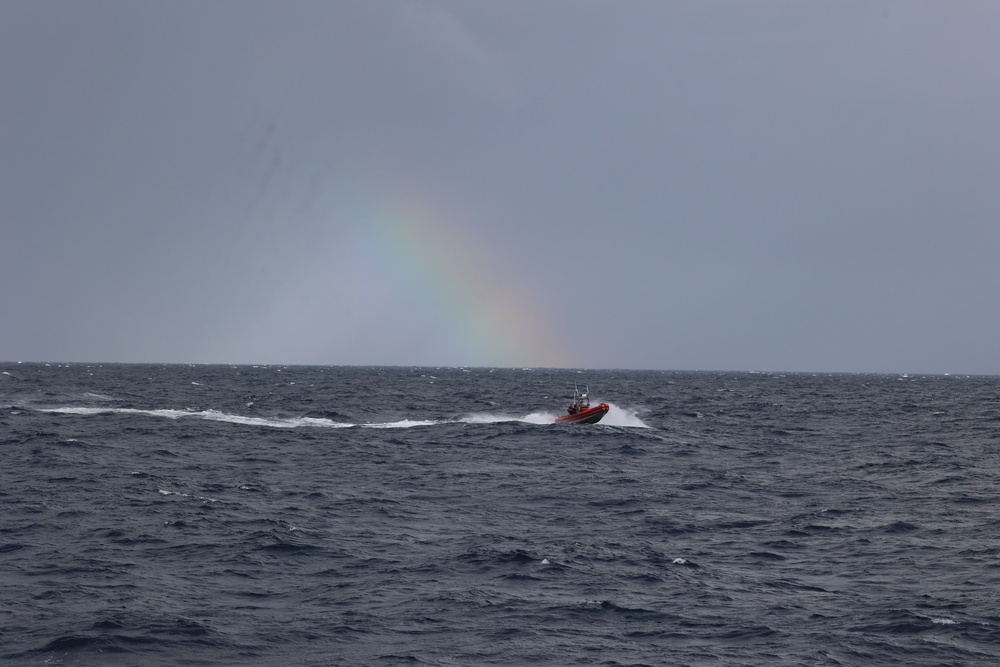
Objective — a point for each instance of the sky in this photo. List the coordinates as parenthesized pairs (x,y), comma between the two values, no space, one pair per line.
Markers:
(770,185)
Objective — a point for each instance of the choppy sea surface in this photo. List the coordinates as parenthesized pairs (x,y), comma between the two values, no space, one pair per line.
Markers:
(238,515)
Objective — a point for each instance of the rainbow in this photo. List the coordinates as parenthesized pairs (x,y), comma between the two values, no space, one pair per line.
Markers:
(487,316)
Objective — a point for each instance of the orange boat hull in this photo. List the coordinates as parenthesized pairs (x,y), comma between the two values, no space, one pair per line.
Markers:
(588,416)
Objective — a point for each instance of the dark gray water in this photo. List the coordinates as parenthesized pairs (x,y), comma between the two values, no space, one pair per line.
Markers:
(354,516)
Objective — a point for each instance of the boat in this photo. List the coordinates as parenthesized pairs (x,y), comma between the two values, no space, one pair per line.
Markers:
(580,412)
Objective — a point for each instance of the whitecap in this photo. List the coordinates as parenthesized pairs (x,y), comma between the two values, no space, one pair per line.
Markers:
(164,492)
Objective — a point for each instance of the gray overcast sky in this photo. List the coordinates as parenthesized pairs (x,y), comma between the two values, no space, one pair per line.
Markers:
(769,185)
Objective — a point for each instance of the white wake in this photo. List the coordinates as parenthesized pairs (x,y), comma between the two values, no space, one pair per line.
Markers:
(616,417)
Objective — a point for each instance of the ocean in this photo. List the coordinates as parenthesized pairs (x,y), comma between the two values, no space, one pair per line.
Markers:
(273,515)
